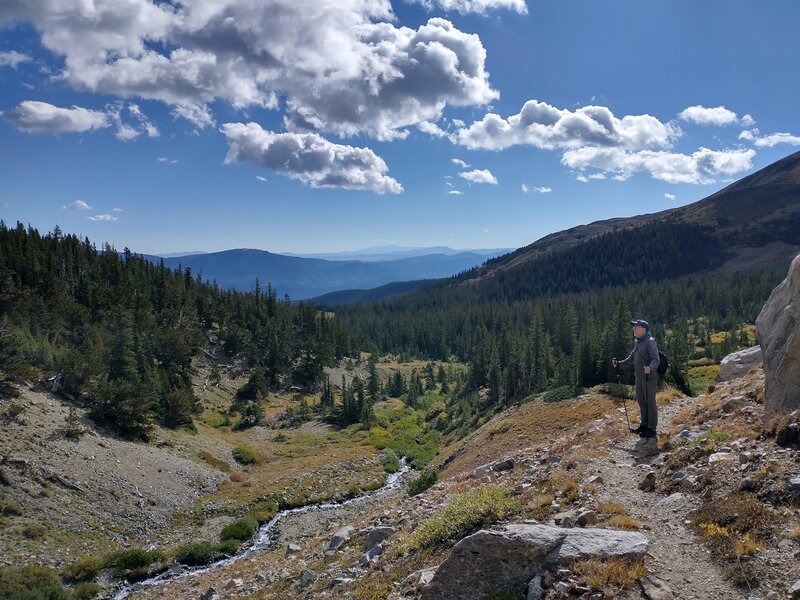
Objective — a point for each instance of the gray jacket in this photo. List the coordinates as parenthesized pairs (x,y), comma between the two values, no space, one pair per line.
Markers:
(644,353)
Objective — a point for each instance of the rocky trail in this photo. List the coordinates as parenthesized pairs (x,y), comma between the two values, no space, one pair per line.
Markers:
(675,555)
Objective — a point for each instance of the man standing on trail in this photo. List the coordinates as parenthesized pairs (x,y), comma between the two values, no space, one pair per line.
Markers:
(645,361)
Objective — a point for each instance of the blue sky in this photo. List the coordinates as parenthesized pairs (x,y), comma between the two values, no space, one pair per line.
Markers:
(161,119)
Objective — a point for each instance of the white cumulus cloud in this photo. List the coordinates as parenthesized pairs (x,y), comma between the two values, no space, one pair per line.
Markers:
(703,115)
(544,126)
(474,6)
(747,121)
(542,189)
(77,205)
(670,197)
(12,58)
(431,129)
(32,116)
(773,139)
(340,66)
(455,193)
(525,188)
(308,157)
(700,167)
(479,176)
(459,163)
(104,217)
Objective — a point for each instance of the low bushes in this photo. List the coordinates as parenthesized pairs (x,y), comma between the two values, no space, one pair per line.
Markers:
(467,511)
(241,529)
(31,583)
(425,480)
(245,455)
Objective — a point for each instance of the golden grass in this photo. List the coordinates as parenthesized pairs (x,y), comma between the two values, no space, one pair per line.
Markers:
(610,507)
(624,522)
(533,423)
(794,534)
(610,576)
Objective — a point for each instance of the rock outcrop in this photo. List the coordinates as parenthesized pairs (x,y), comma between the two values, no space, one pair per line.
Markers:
(739,363)
(491,560)
(778,328)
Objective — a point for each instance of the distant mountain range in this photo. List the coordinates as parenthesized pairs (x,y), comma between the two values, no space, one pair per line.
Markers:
(306,276)
(752,224)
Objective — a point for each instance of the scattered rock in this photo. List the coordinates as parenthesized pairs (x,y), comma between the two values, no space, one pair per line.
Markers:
(655,589)
(587,517)
(648,484)
(378,535)
(292,549)
(777,331)
(595,480)
(733,404)
(210,594)
(418,579)
(504,465)
(720,458)
(535,589)
(234,583)
(794,590)
(308,577)
(739,363)
(340,537)
(495,559)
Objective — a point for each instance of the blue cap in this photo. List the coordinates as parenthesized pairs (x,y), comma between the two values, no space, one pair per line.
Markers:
(641,323)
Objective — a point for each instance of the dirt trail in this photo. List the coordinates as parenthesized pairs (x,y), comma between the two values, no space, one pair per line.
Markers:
(676,554)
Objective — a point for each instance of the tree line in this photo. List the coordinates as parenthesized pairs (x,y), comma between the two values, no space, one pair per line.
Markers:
(122,332)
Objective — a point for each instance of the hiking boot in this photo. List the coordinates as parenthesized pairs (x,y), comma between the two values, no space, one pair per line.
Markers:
(639,429)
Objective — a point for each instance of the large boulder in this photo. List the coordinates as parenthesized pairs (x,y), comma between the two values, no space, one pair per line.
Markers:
(492,560)
(778,328)
(738,363)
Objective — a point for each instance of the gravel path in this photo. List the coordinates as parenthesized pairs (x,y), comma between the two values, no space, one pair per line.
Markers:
(676,555)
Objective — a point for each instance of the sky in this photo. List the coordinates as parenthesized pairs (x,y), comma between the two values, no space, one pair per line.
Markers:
(328,125)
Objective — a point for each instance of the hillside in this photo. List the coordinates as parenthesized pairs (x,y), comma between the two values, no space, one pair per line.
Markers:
(571,466)
(384,292)
(304,277)
(757,210)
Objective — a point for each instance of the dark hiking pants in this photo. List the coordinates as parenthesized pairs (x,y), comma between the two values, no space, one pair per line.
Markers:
(646,386)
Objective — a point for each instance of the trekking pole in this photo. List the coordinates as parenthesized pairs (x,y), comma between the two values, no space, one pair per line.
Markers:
(627,419)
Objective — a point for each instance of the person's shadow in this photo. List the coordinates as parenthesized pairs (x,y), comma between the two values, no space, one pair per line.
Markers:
(643,451)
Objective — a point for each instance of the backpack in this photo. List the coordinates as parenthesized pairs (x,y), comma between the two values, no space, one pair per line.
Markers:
(663,363)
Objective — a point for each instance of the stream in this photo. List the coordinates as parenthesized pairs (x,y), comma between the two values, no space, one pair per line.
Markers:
(264,537)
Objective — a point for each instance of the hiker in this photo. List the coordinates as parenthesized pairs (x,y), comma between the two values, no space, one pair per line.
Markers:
(645,361)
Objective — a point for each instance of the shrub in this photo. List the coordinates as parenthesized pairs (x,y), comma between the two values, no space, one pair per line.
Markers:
(135,558)
(565,392)
(227,548)
(425,480)
(483,506)
(734,526)
(391,464)
(33,530)
(9,508)
(4,478)
(264,510)
(83,570)
(499,427)
(194,555)
(31,583)
(241,529)
(85,591)
(245,455)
